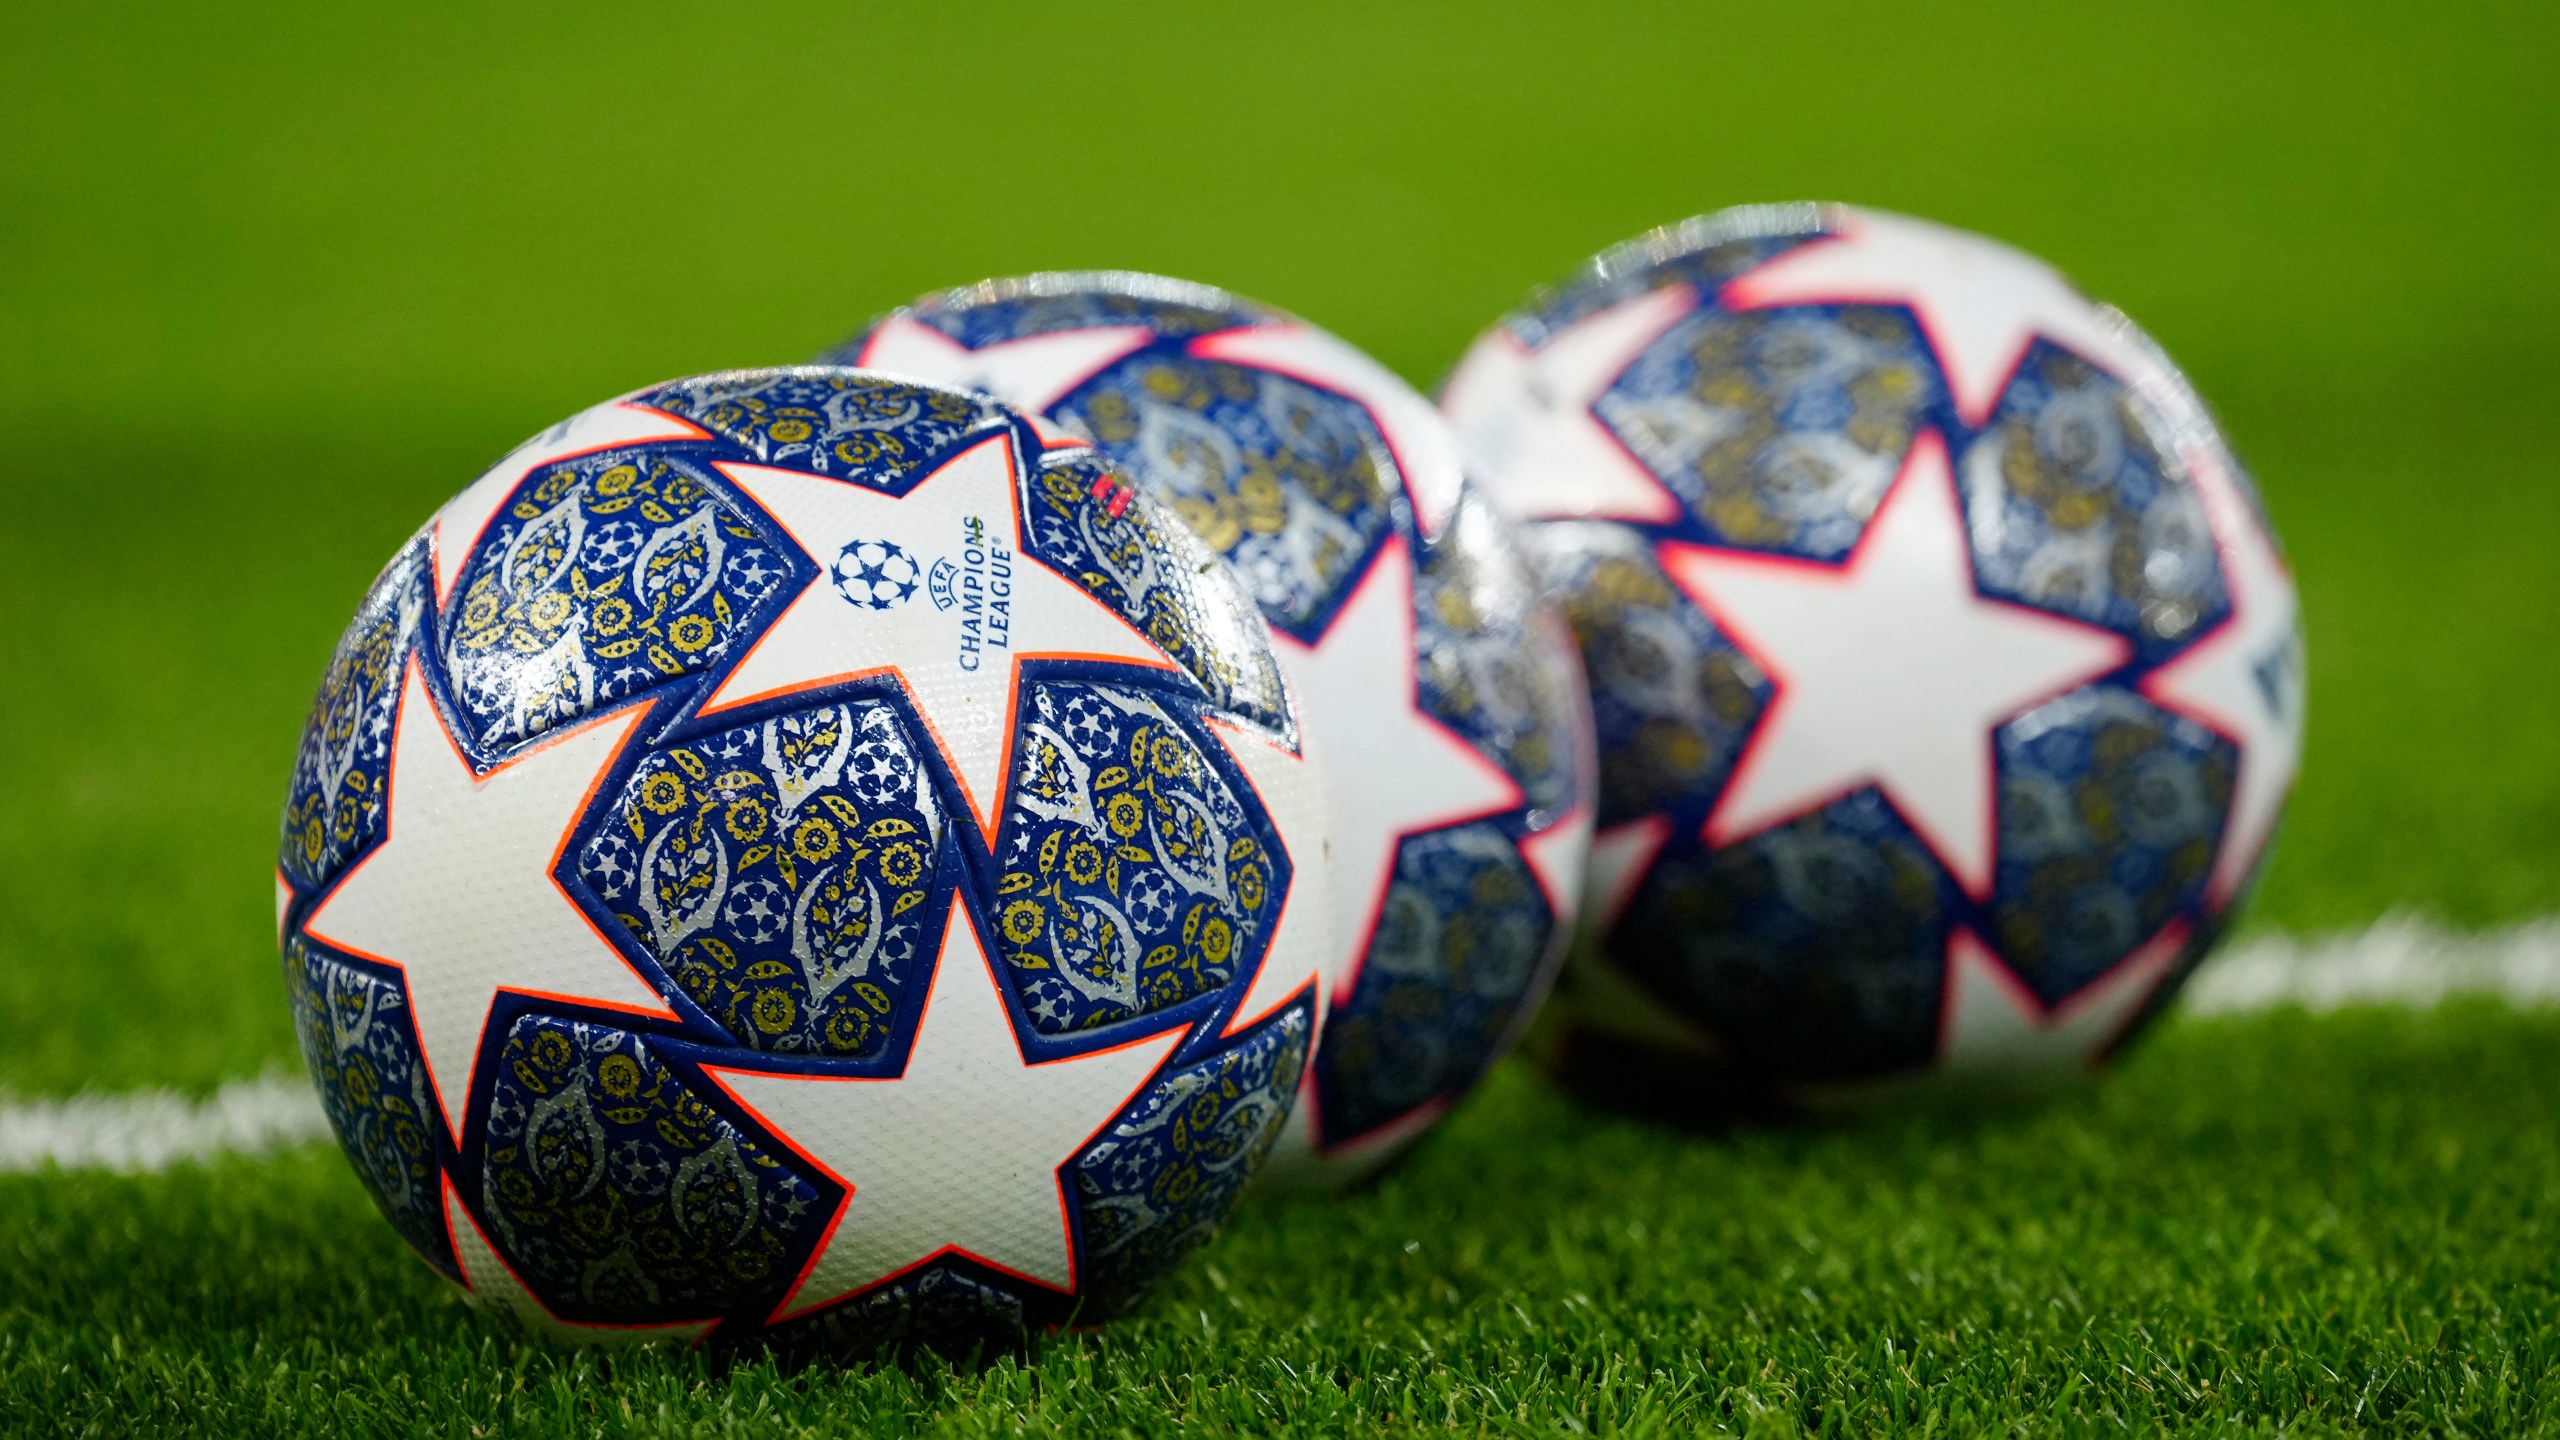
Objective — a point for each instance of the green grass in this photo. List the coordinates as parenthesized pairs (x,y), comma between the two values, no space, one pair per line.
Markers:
(276,279)
(2276,1223)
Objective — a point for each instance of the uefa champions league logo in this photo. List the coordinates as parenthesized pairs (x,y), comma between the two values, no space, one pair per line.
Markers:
(884,575)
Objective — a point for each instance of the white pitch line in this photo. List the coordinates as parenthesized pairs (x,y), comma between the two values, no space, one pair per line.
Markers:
(146,1130)
(2397,961)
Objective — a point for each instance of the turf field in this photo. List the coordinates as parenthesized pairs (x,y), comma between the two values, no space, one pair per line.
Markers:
(273,282)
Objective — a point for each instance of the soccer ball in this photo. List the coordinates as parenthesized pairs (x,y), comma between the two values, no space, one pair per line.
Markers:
(1947,674)
(1438,688)
(797,850)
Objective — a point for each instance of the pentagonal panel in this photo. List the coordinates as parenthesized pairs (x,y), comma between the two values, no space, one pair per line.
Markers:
(600,579)
(618,1196)
(1779,430)
(333,805)
(364,1057)
(1461,943)
(1814,948)
(1673,699)
(785,875)
(2110,812)
(1135,876)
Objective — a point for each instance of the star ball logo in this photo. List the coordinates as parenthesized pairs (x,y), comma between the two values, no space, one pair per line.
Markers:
(876,574)
(883,575)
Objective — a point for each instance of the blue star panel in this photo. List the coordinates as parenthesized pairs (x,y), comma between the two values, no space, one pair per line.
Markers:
(1778,430)
(2074,508)
(782,874)
(1133,880)
(1704,253)
(2110,808)
(619,1194)
(333,806)
(1282,478)
(1672,697)
(1158,1183)
(362,1054)
(608,576)
(1460,941)
(1121,553)
(1001,310)
(1828,932)
(862,428)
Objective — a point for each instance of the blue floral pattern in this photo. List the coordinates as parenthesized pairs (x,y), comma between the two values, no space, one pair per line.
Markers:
(619,1195)
(604,577)
(364,1057)
(860,427)
(1819,943)
(1162,1179)
(1672,697)
(333,807)
(999,310)
(781,874)
(1779,430)
(1461,944)
(2110,812)
(2074,508)
(1143,563)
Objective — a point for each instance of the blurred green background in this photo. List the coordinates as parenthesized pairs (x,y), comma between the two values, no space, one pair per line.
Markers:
(275,280)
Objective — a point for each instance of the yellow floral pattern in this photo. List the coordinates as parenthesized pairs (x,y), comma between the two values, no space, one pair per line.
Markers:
(358,1046)
(830,421)
(1087,523)
(1290,483)
(333,807)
